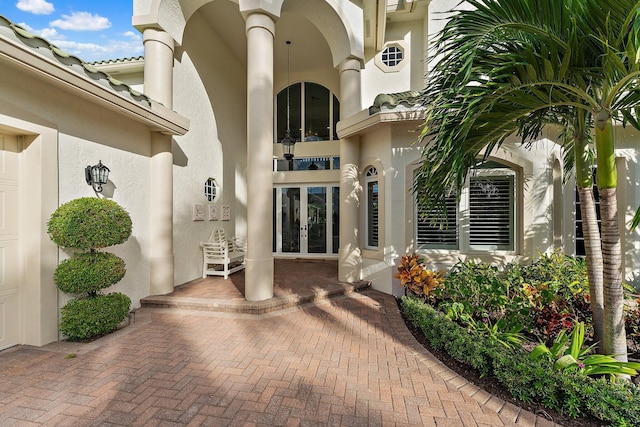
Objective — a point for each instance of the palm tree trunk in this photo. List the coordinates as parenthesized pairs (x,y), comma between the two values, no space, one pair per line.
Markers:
(615,340)
(590,231)
(593,252)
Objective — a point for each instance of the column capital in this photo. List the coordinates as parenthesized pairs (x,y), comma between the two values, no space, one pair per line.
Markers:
(157,35)
(350,63)
(261,20)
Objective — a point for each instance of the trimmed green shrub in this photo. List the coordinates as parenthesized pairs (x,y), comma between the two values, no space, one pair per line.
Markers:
(89,223)
(528,380)
(89,317)
(89,272)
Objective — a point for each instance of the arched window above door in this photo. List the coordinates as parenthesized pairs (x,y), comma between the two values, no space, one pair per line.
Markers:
(313,113)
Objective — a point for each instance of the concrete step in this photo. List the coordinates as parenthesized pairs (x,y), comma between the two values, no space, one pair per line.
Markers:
(254,307)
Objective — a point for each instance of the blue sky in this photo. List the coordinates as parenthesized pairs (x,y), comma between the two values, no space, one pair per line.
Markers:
(91,30)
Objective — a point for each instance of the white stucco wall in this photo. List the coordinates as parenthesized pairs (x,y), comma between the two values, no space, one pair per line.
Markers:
(70,133)
(209,89)
(408,77)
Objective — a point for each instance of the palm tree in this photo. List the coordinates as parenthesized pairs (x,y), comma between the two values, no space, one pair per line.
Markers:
(511,67)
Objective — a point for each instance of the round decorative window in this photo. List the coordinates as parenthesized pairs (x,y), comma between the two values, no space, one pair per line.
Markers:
(211,189)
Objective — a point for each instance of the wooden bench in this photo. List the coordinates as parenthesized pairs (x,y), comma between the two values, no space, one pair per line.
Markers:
(222,256)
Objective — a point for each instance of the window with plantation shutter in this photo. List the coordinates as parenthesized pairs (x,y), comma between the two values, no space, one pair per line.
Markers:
(371,180)
(491,212)
(482,220)
(441,235)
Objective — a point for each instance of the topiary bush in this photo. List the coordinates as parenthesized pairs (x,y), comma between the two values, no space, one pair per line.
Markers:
(88,272)
(93,316)
(89,224)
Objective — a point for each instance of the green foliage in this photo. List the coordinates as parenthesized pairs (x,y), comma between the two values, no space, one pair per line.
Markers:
(84,318)
(89,223)
(567,391)
(500,332)
(89,272)
(632,323)
(568,352)
(477,286)
(540,299)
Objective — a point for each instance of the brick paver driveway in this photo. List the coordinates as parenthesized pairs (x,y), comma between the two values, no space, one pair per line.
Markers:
(348,361)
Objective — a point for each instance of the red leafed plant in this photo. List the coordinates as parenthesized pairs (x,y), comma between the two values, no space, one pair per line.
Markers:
(415,277)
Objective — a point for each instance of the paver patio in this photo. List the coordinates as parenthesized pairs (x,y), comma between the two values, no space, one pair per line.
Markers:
(344,361)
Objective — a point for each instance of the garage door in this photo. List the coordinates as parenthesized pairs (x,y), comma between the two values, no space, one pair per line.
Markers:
(9,250)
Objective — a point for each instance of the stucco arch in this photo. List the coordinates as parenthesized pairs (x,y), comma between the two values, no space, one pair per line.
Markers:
(340,24)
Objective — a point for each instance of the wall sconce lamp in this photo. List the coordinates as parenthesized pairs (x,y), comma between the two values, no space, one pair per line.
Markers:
(97,176)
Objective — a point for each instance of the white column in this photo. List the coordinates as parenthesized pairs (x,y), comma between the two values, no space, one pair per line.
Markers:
(259,259)
(350,258)
(158,85)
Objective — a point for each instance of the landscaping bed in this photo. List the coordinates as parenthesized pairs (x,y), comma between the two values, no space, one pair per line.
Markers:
(524,334)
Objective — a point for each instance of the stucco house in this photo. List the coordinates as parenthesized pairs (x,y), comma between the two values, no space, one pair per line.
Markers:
(192,135)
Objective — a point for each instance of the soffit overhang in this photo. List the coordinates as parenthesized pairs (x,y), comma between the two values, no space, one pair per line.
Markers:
(38,58)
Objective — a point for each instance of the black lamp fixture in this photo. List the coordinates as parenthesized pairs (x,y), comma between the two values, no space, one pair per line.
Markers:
(288,143)
(97,176)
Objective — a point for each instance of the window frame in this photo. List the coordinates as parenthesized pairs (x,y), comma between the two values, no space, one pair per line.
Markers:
(211,190)
(372,178)
(464,219)
(300,116)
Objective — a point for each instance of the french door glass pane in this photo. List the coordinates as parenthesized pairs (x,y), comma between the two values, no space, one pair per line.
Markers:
(317,219)
(291,220)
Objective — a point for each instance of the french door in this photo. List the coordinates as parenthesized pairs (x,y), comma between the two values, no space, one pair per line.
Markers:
(306,219)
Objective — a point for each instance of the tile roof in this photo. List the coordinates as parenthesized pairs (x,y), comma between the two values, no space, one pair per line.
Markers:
(45,48)
(118,60)
(410,99)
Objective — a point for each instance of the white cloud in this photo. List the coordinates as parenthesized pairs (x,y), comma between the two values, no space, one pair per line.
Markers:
(46,33)
(132,35)
(82,21)
(37,7)
(113,49)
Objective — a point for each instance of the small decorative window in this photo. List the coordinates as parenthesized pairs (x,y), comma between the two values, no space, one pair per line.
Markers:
(392,55)
(211,189)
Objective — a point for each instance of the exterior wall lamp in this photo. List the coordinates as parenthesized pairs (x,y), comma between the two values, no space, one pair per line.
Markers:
(97,176)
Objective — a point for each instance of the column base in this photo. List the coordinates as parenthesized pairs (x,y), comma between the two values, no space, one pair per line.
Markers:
(161,275)
(258,282)
(349,265)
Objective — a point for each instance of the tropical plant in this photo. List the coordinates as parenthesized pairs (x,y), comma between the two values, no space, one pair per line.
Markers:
(512,67)
(568,352)
(501,331)
(416,277)
(483,291)
(567,391)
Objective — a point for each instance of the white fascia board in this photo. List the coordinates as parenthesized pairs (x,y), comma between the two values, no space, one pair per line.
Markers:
(362,122)
(158,117)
